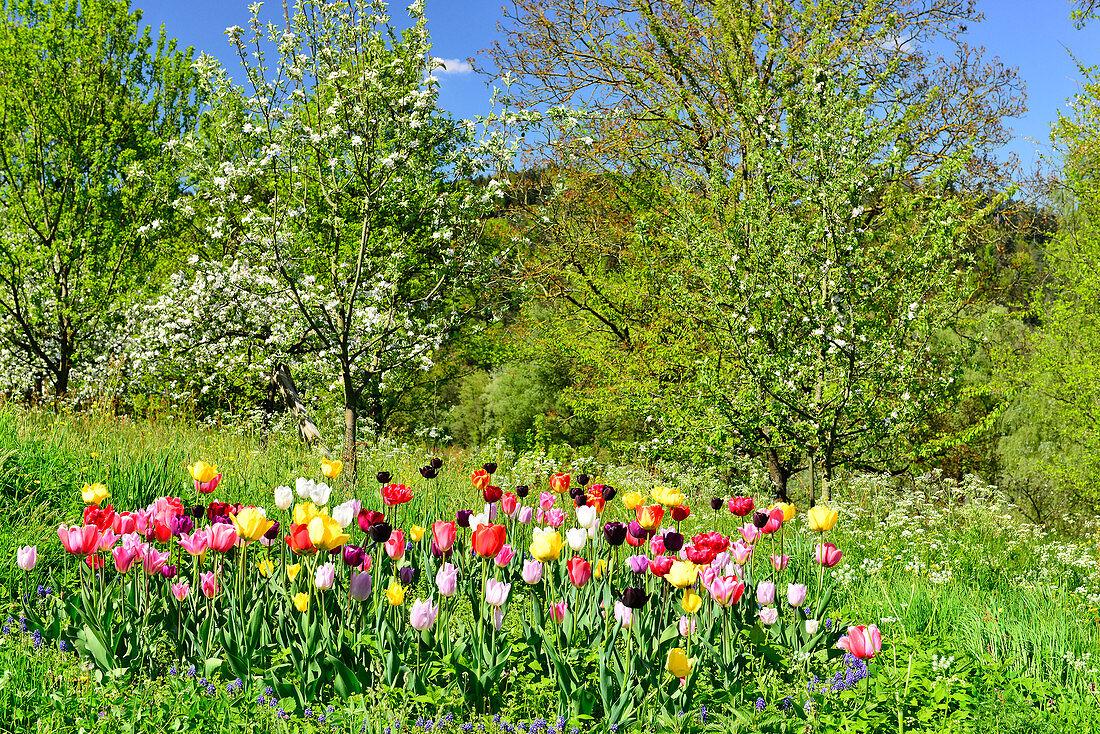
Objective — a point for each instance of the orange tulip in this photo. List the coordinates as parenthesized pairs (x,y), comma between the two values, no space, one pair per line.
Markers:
(559,483)
(650,516)
(488,540)
(481,479)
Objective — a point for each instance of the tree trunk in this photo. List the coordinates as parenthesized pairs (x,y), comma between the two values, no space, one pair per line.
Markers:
(282,380)
(779,475)
(351,415)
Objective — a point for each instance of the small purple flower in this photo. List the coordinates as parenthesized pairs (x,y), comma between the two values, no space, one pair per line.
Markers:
(761,704)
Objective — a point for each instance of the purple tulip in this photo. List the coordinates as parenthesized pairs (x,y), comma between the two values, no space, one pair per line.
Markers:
(462,517)
(422,614)
(168,572)
(638,564)
(447,579)
(181,525)
(408,575)
(360,586)
(637,530)
(354,555)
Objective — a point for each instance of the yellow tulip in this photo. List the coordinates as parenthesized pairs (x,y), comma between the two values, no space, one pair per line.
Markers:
(326,534)
(331,469)
(631,500)
(822,518)
(203,472)
(678,663)
(691,602)
(667,496)
(94,494)
(304,512)
(788,510)
(649,516)
(251,523)
(266,568)
(301,601)
(599,568)
(545,545)
(395,593)
(416,533)
(292,571)
(682,574)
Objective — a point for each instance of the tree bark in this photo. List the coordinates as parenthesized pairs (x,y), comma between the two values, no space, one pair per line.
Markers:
(351,415)
(779,475)
(281,380)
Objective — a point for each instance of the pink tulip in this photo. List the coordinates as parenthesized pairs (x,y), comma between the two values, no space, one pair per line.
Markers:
(769,615)
(124,558)
(555,517)
(107,539)
(447,579)
(79,540)
(181,590)
(707,575)
(525,515)
(532,571)
(720,561)
(360,586)
(144,521)
(864,642)
(325,576)
(827,554)
(124,523)
(196,543)
(780,562)
(796,594)
(154,560)
(657,545)
(210,580)
(624,615)
(422,614)
(775,521)
(749,532)
(496,592)
(638,563)
(222,537)
(132,541)
(741,552)
(26,557)
(557,611)
(765,593)
(546,500)
(208,487)
(395,546)
(687,626)
(504,557)
(726,590)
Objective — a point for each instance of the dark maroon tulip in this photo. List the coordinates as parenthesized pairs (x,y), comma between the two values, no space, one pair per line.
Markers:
(759,519)
(490,467)
(197,511)
(583,479)
(609,492)
(436,463)
(716,503)
(462,517)
(580,500)
(634,597)
(273,531)
(383,477)
(181,525)
(354,555)
(523,490)
(615,533)
(428,472)
(673,541)
(380,532)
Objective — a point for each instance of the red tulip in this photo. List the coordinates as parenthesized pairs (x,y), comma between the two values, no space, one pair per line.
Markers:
(396,494)
(480,478)
(741,506)
(634,542)
(595,497)
(488,540)
(299,541)
(775,521)
(366,518)
(679,512)
(443,533)
(559,483)
(101,517)
(660,565)
(492,493)
(650,516)
(162,532)
(579,571)
(509,503)
(94,561)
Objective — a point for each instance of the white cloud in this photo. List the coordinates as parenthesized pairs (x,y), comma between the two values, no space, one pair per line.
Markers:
(453,66)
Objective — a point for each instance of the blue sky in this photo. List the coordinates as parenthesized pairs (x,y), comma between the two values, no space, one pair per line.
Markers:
(1034,35)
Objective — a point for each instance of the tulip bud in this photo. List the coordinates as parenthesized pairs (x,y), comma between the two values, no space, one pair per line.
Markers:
(436,463)
(446,578)
(168,572)
(383,477)
(526,514)
(765,593)
(354,555)
(769,615)
(360,586)
(197,511)
(680,512)
(811,626)
(26,557)
(638,564)
(284,497)
(491,494)
(324,576)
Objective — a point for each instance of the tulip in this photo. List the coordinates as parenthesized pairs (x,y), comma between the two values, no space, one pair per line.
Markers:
(293,571)
(284,497)
(750,532)
(154,560)
(487,540)
(680,513)
(634,597)
(660,565)
(821,518)
(532,571)
(741,553)
(811,626)
(395,545)
(526,514)
(383,477)
(203,472)
(682,574)
(443,533)
(557,611)
(614,533)
(299,541)
(320,493)
(677,663)
(222,537)
(796,594)
(181,590)
(624,615)
(496,592)
(555,517)
(79,540)
(726,590)
(504,557)
(462,517)
(863,642)
(691,601)
(673,541)
(422,614)
(94,494)
(360,586)
(559,483)
(324,576)
(667,496)
(251,523)
(765,593)
(301,601)
(353,556)
(161,532)
(492,494)
(657,545)
(638,563)
(769,615)
(181,524)
(686,626)
(498,618)
(345,513)
(545,545)
(123,558)
(579,571)
(480,479)
(716,503)
(741,506)
(396,494)
(650,516)
(304,487)
(366,518)
(827,554)
(707,575)
(416,533)
(326,534)
(547,500)
(779,562)
(169,571)
(631,500)
(407,575)
(587,517)
(209,584)
(104,517)
(331,469)
(429,472)
(446,578)
(266,568)
(26,557)
(395,594)
(577,539)
(774,521)
(788,510)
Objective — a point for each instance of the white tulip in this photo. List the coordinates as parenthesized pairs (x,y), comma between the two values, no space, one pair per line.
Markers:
(587,517)
(320,493)
(577,538)
(303,487)
(344,514)
(811,626)
(284,498)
